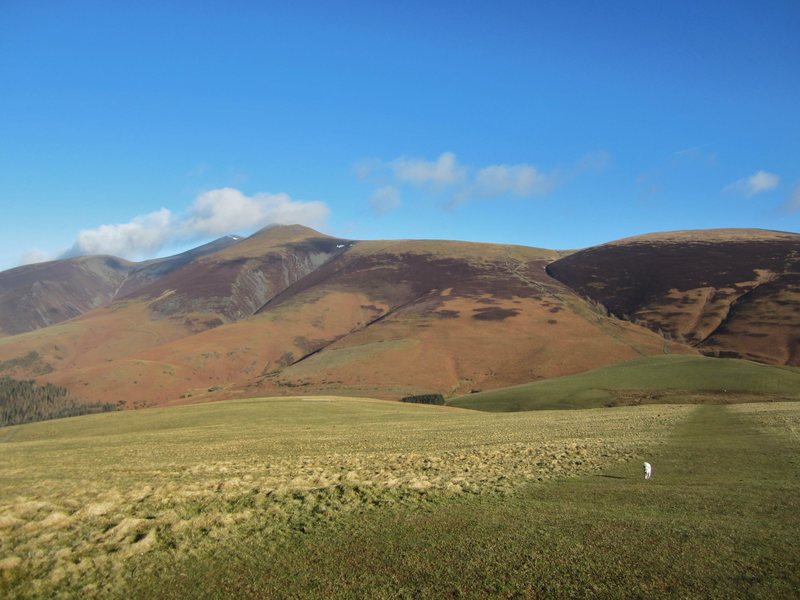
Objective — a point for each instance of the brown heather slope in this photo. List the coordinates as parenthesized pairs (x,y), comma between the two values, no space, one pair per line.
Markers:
(727,292)
(289,310)
(451,317)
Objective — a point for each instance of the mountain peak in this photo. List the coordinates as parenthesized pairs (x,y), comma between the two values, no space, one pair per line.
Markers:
(267,238)
(295,231)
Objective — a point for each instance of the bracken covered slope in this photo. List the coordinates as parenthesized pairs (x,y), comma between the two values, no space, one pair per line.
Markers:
(732,293)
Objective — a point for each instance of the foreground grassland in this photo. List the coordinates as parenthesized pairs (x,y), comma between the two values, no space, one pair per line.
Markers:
(650,380)
(719,520)
(85,502)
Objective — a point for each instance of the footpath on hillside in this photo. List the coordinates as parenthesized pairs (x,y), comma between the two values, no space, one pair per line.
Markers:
(719,519)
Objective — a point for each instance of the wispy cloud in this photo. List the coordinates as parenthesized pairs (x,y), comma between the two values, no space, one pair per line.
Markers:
(792,203)
(594,161)
(446,176)
(758,182)
(521,181)
(385,199)
(692,149)
(444,171)
(213,213)
(35,255)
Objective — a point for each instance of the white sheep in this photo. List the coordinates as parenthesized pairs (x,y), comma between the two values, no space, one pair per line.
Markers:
(648,470)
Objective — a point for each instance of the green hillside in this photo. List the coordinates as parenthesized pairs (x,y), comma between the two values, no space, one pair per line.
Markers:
(660,379)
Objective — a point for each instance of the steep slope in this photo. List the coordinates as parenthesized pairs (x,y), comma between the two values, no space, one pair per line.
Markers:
(40,295)
(236,281)
(732,293)
(148,271)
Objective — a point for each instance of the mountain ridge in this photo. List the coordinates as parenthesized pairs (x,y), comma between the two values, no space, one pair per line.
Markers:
(290,310)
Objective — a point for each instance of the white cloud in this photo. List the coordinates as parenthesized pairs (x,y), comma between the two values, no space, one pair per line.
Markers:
(385,199)
(443,171)
(760,181)
(459,182)
(225,210)
(35,255)
(445,176)
(216,212)
(139,237)
(222,211)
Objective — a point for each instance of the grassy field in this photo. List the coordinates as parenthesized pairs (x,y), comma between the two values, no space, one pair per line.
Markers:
(333,497)
(83,499)
(650,380)
(719,520)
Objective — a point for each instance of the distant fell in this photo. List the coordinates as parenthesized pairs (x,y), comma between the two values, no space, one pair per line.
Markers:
(289,310)
(733,293)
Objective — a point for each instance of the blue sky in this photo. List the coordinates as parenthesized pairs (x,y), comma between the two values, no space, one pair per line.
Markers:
(141,130)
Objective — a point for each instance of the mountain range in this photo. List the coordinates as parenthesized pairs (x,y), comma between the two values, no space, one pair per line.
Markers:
(290,310)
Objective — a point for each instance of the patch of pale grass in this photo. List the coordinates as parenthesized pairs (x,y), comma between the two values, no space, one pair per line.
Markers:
(80,498)
(775,417)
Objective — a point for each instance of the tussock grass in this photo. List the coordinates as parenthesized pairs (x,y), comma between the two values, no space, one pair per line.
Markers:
(657,379)
(83,501)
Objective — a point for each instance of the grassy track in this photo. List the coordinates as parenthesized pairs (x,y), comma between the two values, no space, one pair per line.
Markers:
(657,379)
(719,519)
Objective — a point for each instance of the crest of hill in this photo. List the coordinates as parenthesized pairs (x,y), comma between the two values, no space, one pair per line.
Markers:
(481,251)
(708,235)
(270,238)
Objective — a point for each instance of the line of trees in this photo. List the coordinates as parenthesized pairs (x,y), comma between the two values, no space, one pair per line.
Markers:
(24,401)
(437,399)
